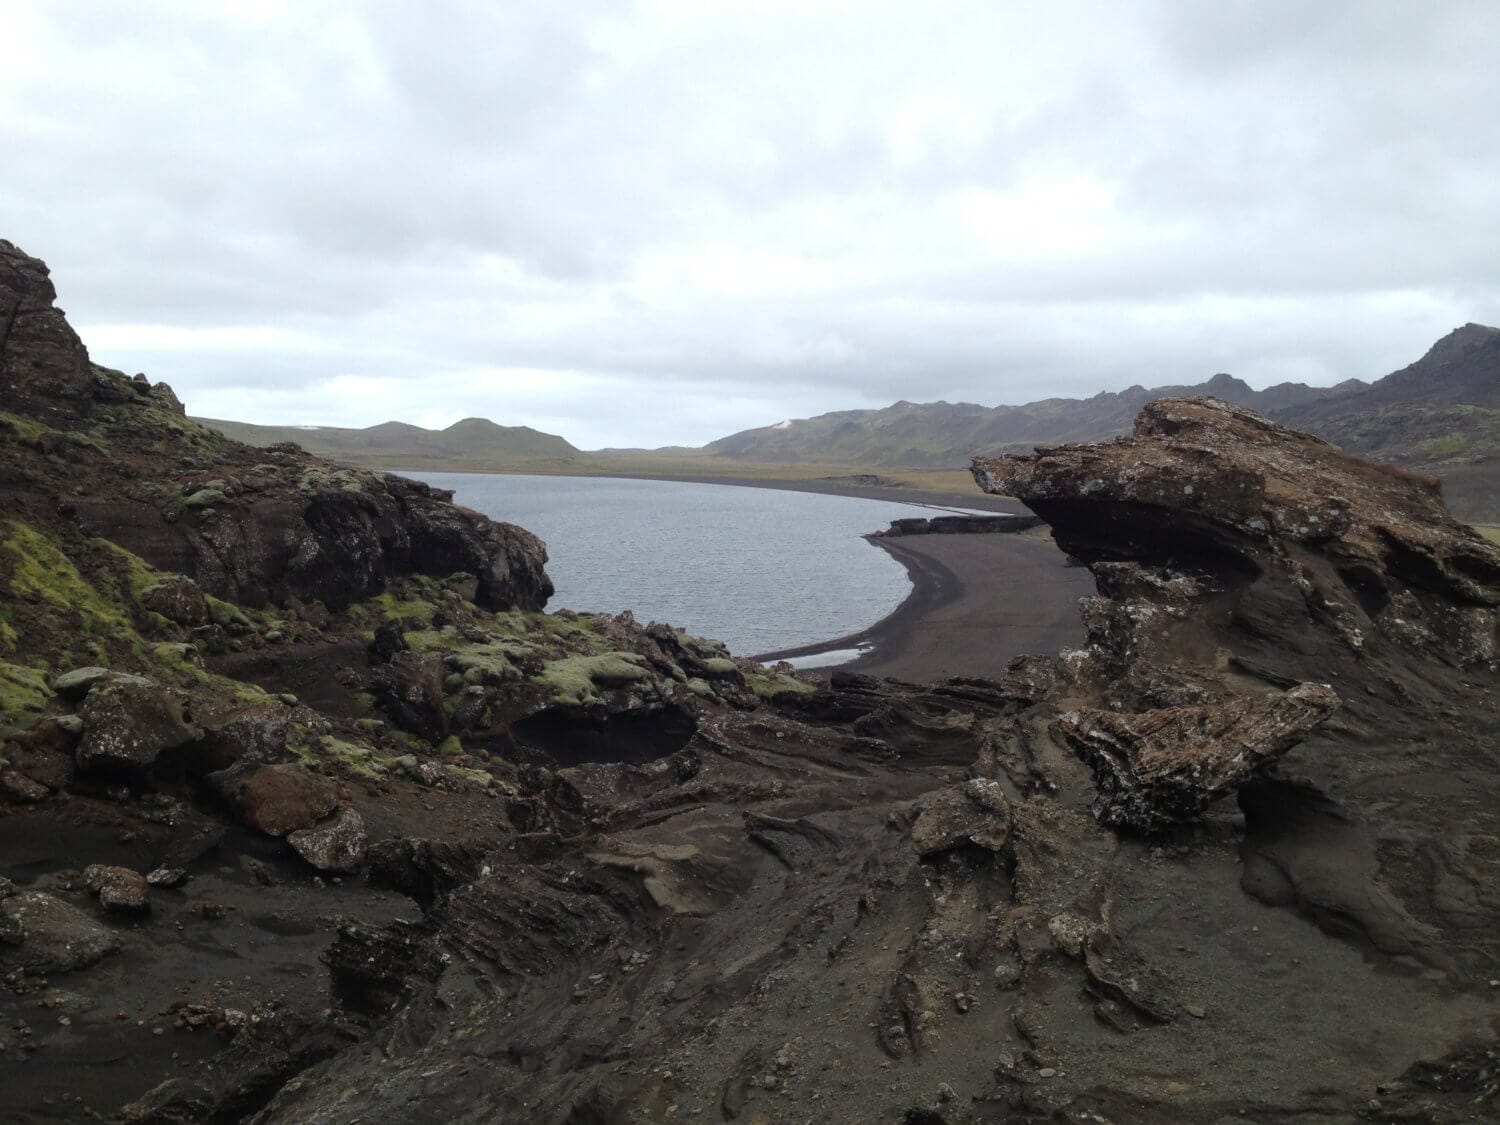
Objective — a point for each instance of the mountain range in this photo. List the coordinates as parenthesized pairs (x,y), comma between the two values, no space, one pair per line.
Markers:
(1439,415)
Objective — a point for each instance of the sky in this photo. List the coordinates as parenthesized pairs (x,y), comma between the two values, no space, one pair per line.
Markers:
(659,223)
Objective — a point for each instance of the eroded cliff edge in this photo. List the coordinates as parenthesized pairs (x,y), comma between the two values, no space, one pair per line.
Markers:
(403,847)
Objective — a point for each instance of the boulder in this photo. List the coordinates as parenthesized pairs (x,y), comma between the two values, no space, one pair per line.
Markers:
(120,890)
(338,845)
(75,684)
(55,937)
(409,688)
(127,722)
(178,599)
(276,799)
(255,734)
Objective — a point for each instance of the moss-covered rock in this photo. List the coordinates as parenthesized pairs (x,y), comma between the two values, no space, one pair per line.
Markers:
(579,679)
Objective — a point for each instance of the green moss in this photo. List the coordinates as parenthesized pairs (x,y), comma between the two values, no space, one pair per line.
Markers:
(27,429)
(577,679)
(768,684)
(393,608)
(450,747)
(719,666)
(476,777)
(23,696)
(41,570)
(8,638)
(1490,533)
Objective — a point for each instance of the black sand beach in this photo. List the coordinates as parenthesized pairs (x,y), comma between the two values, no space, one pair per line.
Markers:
(977,602)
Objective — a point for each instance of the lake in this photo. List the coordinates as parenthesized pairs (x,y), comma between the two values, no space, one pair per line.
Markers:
(759,569)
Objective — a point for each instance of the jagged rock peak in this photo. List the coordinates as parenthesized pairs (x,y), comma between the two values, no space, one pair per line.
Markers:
(42,360)
(1460,340)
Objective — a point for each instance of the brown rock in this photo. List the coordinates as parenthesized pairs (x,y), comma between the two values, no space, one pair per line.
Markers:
(1203,485)
(178,599)
(1157,768)
(276,799)
(16,787)
(120,890)
(337,845)
(44,367)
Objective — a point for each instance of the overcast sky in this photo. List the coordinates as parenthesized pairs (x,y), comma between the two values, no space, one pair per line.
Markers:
(661,223)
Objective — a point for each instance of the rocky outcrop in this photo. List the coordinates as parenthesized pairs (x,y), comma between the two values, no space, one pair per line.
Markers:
(44,366)
(1159,768)
(957,525)
(1203,486)
(249,525)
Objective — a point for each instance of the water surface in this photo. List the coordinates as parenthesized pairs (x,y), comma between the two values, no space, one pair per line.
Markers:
(760,569)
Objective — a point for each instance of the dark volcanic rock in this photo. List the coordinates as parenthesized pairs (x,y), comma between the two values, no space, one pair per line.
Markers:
(55,937)
(127,722)
(1207,486)
(255,734)
(44,366)
(975,812)
(251,526)
(337,845)
(1158,768)
(409,688)
(120,890)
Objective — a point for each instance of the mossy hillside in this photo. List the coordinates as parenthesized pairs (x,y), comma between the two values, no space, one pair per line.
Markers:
(24,696)
(35,567)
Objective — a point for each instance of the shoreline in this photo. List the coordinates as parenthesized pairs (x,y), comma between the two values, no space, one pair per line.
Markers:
(933,586)
(823,486)
(976,603)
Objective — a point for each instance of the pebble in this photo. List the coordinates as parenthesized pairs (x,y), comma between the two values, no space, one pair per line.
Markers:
(1195,1011)
(1047,1072)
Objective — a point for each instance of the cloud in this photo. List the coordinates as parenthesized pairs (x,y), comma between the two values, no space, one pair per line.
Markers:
(658,223)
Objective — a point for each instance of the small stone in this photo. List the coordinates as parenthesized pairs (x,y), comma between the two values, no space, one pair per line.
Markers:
(1047,1072)
(120,890)
(167,877)
(1196,1011)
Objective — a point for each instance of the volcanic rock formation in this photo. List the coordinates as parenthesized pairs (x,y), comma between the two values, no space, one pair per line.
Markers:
(419,852)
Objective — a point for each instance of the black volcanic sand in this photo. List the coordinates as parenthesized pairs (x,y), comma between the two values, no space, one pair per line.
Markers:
(977,602)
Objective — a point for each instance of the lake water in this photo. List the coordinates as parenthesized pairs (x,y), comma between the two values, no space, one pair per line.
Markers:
(760,569)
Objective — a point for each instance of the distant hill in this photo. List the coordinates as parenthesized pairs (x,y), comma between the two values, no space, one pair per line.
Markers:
(473,442)
(947,435)
(1440,415)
